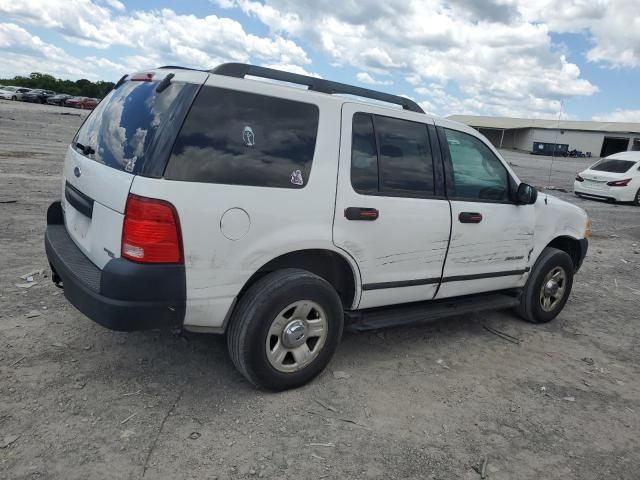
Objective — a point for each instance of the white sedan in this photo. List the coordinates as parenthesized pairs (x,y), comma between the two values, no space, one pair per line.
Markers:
(616,177)
(13,93)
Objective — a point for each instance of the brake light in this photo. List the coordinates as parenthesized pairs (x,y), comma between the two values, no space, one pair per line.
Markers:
(619,183)
(151,232)
(579,178)
(142,77)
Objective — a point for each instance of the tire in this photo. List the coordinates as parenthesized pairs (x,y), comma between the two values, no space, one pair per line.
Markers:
(277,303)
(533,308)
(14,98)
(636,200)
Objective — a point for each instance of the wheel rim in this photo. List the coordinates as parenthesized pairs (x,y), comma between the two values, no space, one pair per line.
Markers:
(553,288)
(296,336)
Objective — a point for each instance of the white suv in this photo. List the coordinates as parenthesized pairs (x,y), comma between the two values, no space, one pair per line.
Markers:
(280,215)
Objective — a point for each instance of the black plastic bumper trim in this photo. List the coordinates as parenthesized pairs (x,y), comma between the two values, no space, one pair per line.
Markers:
(584,246)
(131,296)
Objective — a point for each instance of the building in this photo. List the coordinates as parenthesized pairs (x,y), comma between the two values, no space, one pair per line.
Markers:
(600,139)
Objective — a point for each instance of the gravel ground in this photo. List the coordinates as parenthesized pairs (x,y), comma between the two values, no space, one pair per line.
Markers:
(78,401)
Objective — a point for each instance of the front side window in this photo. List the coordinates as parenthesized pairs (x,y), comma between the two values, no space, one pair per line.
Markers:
(239,138)
(390,156)
(477,172)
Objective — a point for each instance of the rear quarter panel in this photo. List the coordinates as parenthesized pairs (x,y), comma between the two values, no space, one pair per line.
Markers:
(281,220)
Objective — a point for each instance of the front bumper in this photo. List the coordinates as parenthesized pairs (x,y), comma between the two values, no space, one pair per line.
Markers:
(584,246)
(124,295)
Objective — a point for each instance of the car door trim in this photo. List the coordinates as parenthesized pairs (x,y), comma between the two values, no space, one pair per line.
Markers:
(431,281)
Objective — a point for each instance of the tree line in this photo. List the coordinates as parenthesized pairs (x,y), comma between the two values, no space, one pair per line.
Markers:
(77,88)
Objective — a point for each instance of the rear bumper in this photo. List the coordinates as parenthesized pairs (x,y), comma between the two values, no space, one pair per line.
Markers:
(617,194)
(124,295)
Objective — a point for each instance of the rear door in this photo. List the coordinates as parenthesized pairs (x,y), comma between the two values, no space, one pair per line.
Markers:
(391,215)
(491,237)
(130,133)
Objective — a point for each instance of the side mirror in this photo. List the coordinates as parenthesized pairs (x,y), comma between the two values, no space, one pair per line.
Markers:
(526,194)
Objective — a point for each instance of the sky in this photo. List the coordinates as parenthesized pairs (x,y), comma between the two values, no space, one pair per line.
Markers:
(579,59)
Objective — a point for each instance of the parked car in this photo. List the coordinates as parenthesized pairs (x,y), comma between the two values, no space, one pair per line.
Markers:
(37,95)
(58,99)
(81,102)
(13,93)
(615,178)
(279,216)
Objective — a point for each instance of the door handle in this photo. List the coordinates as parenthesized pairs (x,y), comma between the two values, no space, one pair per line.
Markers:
(361,213)
(470,217)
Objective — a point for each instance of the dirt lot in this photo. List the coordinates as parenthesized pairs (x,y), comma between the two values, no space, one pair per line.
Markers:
(78,401)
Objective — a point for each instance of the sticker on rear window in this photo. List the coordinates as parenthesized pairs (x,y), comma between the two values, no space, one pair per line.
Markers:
(296,177)
(131,164)
(248,136)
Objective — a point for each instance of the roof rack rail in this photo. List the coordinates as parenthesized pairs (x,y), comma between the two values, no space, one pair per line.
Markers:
(176,67)
(240,70)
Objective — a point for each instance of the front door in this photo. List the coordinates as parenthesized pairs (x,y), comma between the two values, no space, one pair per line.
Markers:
(491,237)
(391,215)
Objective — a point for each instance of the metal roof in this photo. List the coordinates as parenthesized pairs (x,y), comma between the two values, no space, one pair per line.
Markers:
(507,122)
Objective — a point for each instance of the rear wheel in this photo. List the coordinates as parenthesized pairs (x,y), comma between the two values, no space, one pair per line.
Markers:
(548,287)
(285,329)
(636,200)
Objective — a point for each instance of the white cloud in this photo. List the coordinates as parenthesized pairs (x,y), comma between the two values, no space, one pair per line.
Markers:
(23,53)
(500,62)
(115,4)
(619,115)
(365,77)
(613,25)
(161,36)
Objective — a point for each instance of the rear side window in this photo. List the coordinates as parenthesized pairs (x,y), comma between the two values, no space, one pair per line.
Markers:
(390,157)
(133,128)
(240,138)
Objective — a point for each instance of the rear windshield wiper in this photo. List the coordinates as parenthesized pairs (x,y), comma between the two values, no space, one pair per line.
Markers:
(164,83)
(85,149)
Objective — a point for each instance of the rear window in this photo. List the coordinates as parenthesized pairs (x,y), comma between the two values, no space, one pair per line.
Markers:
(133,128)
(240,138)
(612,165)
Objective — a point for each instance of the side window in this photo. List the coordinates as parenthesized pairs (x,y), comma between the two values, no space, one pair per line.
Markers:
(399,165)
(477,172)
(364,158)
(240,138)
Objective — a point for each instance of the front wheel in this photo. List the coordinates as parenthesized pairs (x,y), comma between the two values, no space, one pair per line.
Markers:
(285,329)
(548,287)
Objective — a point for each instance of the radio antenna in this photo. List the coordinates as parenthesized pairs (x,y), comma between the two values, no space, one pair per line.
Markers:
(555,146)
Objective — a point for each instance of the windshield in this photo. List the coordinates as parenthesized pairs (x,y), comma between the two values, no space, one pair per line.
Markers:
(613,165)
(133,128)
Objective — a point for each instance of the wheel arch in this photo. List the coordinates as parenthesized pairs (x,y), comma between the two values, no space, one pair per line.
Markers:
(571,246)
(327,264)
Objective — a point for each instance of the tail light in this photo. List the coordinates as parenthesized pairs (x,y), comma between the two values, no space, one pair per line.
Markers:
(142,77)
(151,232)
(619,183)
(579,178)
